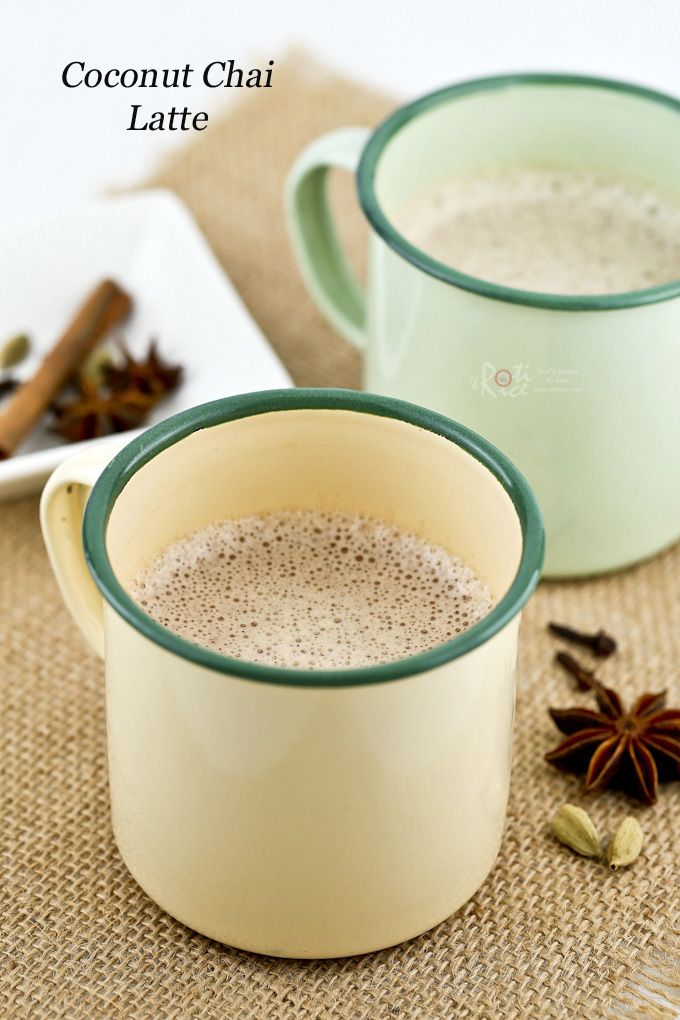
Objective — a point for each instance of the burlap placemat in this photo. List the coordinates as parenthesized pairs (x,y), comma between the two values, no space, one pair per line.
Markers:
(548,935)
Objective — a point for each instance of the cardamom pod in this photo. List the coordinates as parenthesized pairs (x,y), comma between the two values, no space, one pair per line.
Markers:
(573,827)
(95,367)
(14,350)
(626,845)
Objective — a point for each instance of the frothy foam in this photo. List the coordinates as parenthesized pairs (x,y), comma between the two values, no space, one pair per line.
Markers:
(559,232)
(310,590)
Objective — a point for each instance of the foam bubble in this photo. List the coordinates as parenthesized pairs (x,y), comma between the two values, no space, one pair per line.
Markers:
(310,590)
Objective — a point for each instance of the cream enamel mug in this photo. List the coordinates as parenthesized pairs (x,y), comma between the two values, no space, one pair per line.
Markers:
(295,813)
(580,392)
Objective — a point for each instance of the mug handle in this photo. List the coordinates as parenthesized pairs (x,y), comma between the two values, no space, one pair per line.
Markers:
(328,277)
(62,505)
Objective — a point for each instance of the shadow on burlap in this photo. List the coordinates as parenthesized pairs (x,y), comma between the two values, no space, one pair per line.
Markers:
(548,935)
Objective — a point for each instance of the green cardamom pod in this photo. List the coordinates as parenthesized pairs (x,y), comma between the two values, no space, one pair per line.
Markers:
(626,845)
(14,350)
(573,827)
(96,366)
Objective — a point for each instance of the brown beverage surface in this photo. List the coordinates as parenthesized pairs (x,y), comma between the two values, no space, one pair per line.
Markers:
(555,231)
(310,590)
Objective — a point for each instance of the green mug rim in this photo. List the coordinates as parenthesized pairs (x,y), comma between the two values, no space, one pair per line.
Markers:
(145,447)
(374,148)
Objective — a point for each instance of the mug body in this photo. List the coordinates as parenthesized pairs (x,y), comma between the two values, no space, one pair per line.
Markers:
(305,822)
(579,392)
(290,812)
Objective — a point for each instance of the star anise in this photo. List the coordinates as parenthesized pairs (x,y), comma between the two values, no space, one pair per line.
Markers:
(116,398)
(94,412)
(637,749)
(149,375)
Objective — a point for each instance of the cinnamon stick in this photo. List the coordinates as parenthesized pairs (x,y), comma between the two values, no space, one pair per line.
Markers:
(106,306)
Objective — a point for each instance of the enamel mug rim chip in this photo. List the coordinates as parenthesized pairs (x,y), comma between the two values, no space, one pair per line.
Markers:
(381,223)
(144,448)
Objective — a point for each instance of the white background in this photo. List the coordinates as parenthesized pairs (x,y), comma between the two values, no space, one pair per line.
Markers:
(61,146)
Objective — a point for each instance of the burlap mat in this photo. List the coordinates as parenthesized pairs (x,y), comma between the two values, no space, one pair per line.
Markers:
(548,935)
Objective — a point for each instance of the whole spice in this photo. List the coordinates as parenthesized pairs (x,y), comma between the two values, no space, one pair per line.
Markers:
(13,351)
(149,375)
(637,748)
(573,827)
(94,412)
(105,308)
(600,643)
(8,385)
(626,845)
(585,678)
(112,397)
(95,367)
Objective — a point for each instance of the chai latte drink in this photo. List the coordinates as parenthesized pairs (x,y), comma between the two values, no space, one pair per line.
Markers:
(311,590)
(557,231)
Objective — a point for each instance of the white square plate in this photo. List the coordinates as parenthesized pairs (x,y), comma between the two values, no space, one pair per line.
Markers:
(151,246)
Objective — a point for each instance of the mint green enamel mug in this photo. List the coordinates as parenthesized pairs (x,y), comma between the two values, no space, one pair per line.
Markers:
(582,393)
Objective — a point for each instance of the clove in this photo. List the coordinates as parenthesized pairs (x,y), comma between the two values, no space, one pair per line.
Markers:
(600,643)
(585,678)
(7,386)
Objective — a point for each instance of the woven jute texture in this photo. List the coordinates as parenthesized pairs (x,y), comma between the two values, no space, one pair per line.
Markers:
(549,934)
